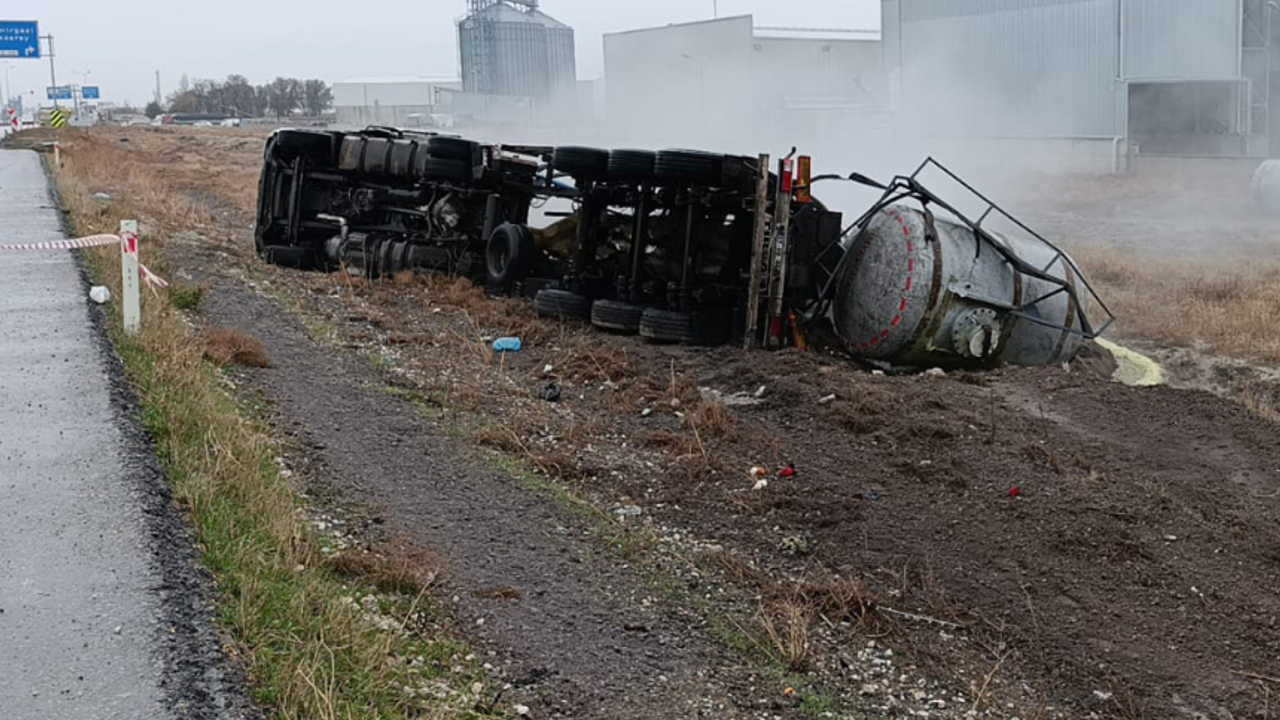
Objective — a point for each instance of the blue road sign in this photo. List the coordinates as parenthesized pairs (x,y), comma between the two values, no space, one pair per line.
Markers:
(19,39)
(89,92)
(62,92)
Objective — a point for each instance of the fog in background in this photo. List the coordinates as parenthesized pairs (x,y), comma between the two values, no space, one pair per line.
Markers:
(123,43)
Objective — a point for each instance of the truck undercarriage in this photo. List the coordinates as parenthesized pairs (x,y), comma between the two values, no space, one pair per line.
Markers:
(676,245)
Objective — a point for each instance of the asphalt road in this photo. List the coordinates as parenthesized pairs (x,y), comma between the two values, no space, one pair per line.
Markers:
(82,609)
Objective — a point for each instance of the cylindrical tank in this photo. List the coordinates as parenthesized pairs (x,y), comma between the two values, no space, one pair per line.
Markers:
(1266,186)
(908,300)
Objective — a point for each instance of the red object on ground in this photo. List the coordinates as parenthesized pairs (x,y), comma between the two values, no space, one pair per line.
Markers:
(1015,492)
(788,471)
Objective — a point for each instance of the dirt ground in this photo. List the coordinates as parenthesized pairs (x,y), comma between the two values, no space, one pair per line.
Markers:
(1024,543)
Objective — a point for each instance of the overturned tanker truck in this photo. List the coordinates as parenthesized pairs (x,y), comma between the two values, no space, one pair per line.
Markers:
(680,246)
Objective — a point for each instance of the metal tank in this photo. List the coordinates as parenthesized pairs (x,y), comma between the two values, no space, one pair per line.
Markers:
(919,291)
(1266,186)
(511,48)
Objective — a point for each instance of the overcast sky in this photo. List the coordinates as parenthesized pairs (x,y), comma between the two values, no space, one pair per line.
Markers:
(122,43)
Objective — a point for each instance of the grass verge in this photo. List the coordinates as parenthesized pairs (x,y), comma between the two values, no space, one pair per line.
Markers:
(314,641)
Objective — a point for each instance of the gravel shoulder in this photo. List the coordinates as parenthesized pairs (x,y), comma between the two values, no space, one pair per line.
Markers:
(103,613)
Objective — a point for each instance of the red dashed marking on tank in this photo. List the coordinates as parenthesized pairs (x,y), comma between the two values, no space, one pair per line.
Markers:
(910,281)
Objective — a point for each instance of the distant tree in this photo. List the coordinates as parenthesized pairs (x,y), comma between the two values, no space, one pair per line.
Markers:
(284,96)
(317,97)
(184,102)
(153,109)
(239,97)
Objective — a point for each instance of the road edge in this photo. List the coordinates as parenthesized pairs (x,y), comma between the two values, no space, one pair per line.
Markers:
(199,681)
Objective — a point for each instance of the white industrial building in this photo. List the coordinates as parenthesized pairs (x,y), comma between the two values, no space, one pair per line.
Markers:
(1088,83)
(405,101)
(726,83)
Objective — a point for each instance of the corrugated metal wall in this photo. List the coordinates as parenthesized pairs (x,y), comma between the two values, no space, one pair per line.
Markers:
(1013,68)
(1185,39)
(1046,68)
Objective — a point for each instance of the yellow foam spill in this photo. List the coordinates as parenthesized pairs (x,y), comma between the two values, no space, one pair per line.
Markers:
(1133,368)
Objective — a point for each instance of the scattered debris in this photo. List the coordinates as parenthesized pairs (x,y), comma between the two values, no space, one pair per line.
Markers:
(626,511)
(788,472)
(550,392)
(738,399)
(100,295)
(827,400)
(935,372)
(1015,492)
(795,546)
(102,197)
(507,345)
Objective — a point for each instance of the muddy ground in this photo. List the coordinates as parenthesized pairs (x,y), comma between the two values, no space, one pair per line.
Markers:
(1024,543)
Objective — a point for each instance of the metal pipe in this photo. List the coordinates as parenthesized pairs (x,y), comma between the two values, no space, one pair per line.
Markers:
(687,268)
(760,229)
(638,235)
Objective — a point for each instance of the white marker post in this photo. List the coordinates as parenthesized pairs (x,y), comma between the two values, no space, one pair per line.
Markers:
(131,310)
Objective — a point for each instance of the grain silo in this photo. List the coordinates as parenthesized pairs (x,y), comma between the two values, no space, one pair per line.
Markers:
(510,47)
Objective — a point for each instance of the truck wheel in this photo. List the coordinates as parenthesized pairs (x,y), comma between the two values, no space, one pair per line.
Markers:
(400,164)
(561,304)
(376,153)
(582,162)
(632,165)
(434,168)
(290,256)
(668,326)
(447,148)
(508,255)
(618,316)
(690,166)
(314,144)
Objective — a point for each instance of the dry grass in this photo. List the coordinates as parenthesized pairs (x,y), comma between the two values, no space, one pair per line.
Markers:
(310,652)
(710,419)
(393,567)
(1227,308)
(789,612)
(227,346)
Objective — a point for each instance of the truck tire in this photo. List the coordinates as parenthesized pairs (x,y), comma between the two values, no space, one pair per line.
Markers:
(290,256)
(428,167)
(400,164)
(316,145)
(617,316)
(582,162)
(447,148)
(632,165)
(376,154)
(351,153)
(690,166)
(668,326)
(508,255)
(562,304)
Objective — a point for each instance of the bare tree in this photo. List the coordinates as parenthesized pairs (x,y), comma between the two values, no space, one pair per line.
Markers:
(317,97)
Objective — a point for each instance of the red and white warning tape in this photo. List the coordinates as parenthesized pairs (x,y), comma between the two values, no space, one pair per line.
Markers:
(153,280)
(78,243)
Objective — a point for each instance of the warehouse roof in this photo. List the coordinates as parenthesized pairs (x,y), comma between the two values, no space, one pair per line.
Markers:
(398,79)
(804,33)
